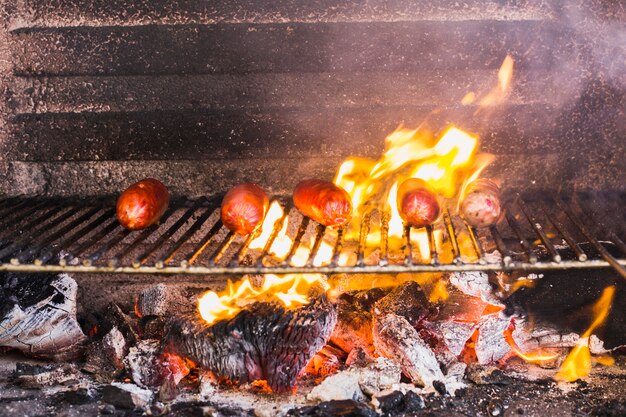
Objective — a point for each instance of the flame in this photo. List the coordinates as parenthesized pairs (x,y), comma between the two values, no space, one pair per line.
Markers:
(290,289)
(538,356)
(499,93)
(274,214)
(577,365)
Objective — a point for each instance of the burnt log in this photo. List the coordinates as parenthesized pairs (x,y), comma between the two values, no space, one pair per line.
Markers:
(264,341)
(38,315)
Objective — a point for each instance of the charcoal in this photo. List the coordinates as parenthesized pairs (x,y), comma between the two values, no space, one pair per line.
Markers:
(491,345)
(476,284)
(115,317)
(264,341)
(127,396)
(396,339)
(406,300)
(142,363)
(343,408)
(38,315)
(455,334)
(153,301)
(39,376)
(104,357)
(78,396)
(152,327)
(561,299)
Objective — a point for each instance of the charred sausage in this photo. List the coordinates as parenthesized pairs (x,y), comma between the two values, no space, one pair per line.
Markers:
(142,204)
(480,205)
(417,202)
(323,201)
(244,207)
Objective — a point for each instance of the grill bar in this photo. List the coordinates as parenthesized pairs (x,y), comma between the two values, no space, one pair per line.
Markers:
(188,242)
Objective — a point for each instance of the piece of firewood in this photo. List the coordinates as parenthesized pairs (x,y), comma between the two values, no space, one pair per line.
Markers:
(38,315)
(264,341)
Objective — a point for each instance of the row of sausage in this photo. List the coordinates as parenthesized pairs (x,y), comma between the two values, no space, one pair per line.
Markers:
(245,205)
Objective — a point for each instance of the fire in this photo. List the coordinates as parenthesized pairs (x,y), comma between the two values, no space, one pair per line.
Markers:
(290,289)
(577,365)
(501,90)
(538,356)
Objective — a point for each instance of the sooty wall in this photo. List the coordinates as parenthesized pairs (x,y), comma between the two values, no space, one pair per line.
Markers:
(205,94)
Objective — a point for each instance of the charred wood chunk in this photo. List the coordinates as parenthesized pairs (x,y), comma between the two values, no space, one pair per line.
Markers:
(406,300)
(38,315)
(348,408)
(264,341)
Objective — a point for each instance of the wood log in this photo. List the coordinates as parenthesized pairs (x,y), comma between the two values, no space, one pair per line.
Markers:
(264,341)
(38,315)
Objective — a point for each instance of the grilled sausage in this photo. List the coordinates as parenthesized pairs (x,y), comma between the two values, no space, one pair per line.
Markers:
(417,202)
(323,201)
(480,206)
(244,207)
(142,204)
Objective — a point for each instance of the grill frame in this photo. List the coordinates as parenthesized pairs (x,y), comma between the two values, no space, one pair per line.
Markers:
(88,231)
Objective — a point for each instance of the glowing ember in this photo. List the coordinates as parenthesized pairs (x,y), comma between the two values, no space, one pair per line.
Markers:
(538,356)
(291,290)
(577,365)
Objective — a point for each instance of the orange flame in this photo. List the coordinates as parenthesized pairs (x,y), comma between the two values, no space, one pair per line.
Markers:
(499,93)
(538,356)
(291,290)
(577,365)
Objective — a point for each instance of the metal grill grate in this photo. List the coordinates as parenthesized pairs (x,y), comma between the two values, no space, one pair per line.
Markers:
(539,232)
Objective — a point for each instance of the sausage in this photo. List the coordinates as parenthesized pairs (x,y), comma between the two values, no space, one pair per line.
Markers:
(323,201)
(142,204)
(244,207)
(417,202)
(480,205)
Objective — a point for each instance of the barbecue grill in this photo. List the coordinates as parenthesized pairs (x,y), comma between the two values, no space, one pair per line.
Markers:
(579,230)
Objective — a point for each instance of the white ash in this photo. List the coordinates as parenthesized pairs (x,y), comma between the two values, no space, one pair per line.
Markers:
(396,339)
(476,284)
(47,328)
(528,338)
(456,334)
(115,344)
(491,345)
(140,362)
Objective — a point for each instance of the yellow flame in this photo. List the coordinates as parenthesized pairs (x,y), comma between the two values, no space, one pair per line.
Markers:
(274,214)
(577,365)
(500,92)
(291,290)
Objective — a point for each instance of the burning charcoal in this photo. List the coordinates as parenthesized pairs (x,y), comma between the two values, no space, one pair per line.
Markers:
(152,327)
(476,284)
(264,341)
(153,301)
(127,396)
(398,403)
(406,300)
(115,317)
(38,315)
(345,408)
(354,321)
(356,381)
(491,345)
(396,339)
(39,376)
(105,357)
(149,367)
(325,362)
(456,334)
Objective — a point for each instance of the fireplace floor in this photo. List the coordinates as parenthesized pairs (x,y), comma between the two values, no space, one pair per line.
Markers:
(603,394)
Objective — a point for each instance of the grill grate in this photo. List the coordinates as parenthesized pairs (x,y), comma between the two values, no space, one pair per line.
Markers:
(539,232)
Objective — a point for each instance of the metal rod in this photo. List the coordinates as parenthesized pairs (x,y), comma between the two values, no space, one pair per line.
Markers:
(602,225)
(54,219)
(408,246)
(202,245)
(296,241)
(239,255)
(8,226)
(432,245)
(37,248)
(506,257)
(478,247)
(538,228)
(447,220)
(385,216)
(217,254)
(113,224)
(363,232)
(277,227)
(338,246)
(140,259)
(200,221)
(560,227)
(115,259)
(71,240)
(319,235)
(601,249)
(532,256)
(7,222)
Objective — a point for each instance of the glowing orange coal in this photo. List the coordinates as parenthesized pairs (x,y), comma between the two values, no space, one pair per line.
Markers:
(291,290)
